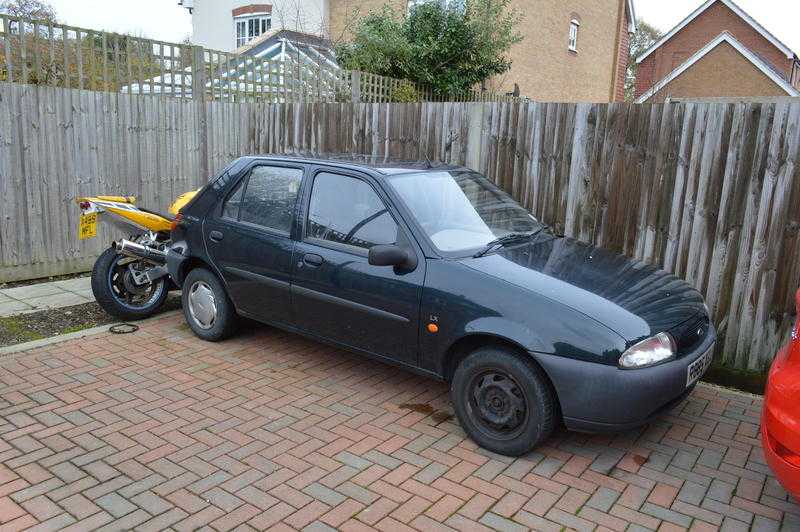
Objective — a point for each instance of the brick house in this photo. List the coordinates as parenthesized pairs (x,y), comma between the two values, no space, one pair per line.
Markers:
(718,51)
(228,25)
(572,50)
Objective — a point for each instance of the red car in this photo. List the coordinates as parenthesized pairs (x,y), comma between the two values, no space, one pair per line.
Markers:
(780,423)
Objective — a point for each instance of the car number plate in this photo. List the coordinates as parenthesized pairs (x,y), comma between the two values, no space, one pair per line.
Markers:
(697,368)
(87,228)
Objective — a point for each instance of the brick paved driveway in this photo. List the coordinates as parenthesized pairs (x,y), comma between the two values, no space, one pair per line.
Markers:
(158,429)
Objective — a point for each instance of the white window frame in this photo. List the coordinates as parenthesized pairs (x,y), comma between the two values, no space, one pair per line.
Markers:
(444,3)
(250,26)
(574,27)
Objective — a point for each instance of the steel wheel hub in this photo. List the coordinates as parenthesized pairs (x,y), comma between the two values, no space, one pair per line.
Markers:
(499,401)
(202,305)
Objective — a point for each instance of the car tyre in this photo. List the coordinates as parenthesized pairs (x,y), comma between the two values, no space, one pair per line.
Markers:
(504,402)
(206,306)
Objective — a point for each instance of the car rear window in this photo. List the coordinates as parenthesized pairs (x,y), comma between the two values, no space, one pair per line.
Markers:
(266,198)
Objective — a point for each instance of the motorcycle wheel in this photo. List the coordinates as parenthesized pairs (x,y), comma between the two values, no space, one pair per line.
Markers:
(116,293)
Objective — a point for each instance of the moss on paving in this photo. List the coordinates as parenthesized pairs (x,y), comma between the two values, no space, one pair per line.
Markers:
(37,325)
(745,380)
(14,328)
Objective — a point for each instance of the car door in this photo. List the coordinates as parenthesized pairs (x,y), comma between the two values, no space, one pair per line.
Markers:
(336,293)
(248,237)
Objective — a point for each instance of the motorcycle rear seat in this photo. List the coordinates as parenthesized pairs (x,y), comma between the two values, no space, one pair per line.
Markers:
(148,211)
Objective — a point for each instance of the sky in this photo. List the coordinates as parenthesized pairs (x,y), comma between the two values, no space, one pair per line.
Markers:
(156,19)
(779,17)
(166,20)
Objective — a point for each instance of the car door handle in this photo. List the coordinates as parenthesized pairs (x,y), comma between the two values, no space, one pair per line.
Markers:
(312,259)
(215,236)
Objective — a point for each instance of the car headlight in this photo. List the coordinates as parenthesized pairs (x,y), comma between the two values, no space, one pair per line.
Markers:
(650,352)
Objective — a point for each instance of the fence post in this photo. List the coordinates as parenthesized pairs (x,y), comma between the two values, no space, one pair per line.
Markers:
(198,73)
(579,173)
(474,135)
(198,95)
(355,86)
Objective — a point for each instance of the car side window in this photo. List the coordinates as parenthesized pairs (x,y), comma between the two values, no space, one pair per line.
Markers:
(267,198)
(230,210)
(346,210)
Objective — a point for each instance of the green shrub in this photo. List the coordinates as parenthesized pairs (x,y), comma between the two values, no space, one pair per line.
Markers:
(406,92)
(450,49)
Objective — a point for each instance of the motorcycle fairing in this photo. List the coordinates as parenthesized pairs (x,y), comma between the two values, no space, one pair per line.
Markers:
(123,207)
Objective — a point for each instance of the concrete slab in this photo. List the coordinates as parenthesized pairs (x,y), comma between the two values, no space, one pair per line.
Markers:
(11,307)
(74,285)
(23,293)
(85,293)
(62,299)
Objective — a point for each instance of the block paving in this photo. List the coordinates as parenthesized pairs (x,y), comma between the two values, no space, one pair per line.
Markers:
(158,430)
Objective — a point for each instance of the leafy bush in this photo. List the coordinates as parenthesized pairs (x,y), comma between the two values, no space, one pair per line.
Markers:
(450,49)
(405,93)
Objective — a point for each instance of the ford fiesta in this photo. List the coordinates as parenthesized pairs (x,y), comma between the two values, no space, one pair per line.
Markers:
(435,269)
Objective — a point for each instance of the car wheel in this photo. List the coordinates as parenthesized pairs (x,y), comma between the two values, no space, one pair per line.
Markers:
(504,402)
(207,308)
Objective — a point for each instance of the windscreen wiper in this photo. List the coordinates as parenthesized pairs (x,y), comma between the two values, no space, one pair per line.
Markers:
(502,241)
(507,239)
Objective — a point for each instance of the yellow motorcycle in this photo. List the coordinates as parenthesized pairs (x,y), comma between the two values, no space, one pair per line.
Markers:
(129,279)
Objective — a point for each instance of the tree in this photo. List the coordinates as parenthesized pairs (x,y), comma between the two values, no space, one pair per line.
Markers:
(645,36)
(30,9)
(51,55)
(447,48)
(10,49)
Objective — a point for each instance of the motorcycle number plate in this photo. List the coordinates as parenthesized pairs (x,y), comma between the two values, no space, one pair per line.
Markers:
(88,226)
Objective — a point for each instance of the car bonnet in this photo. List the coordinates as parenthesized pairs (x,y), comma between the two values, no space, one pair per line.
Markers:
(632,298)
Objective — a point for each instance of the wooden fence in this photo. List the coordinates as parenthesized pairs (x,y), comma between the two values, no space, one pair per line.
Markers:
(710,192)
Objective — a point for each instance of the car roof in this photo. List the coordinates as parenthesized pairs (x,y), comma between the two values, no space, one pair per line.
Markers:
(373,163)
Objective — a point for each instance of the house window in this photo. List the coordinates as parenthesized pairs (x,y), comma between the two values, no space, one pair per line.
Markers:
(251,26)
(574,26)
(452,4)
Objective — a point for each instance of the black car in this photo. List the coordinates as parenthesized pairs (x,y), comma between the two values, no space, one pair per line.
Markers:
(437,270)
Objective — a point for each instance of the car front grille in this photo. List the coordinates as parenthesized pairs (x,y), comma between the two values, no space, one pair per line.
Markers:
(691,333)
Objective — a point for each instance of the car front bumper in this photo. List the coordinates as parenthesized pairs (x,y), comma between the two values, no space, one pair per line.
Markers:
(601,398)
(787,473)
(780,420)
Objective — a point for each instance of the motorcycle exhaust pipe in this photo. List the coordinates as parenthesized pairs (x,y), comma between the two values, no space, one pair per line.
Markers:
(138,251)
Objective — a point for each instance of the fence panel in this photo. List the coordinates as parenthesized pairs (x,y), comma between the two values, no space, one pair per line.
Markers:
(707,191)
(59,144)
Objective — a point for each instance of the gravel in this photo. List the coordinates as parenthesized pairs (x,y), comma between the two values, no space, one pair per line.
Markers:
(48,323)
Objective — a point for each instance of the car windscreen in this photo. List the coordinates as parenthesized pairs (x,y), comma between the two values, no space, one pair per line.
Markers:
(461,210)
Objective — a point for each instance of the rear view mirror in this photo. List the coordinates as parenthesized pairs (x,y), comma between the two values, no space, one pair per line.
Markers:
(391,255)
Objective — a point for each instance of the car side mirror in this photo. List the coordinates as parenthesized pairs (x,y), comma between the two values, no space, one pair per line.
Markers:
(391,255)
